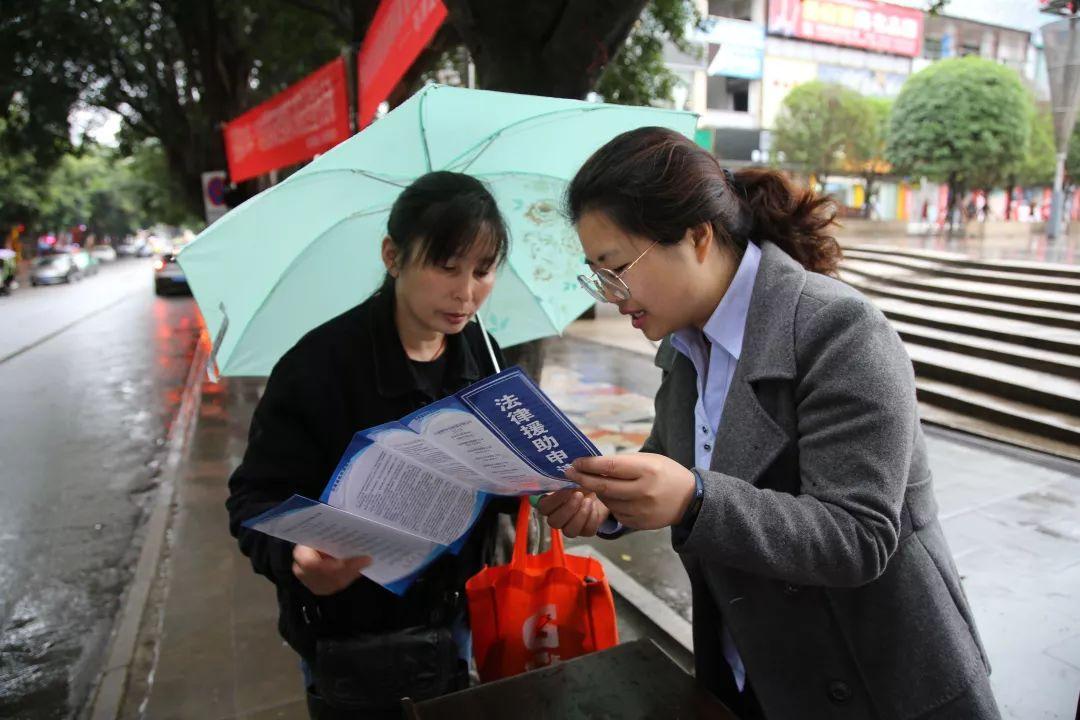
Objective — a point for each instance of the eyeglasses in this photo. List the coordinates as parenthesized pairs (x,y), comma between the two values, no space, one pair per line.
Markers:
(605,284)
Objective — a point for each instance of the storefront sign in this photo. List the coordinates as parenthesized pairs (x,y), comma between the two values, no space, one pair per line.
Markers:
(863,24)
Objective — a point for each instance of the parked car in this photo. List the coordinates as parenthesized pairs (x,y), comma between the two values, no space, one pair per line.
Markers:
(131,248)
(9,267)
(88,264)
(103,253)
(53,269)
(169,276)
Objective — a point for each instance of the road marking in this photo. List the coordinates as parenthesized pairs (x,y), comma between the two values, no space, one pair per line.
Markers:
(65,328)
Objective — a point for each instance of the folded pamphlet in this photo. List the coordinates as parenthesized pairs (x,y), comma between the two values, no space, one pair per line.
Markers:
(405,492)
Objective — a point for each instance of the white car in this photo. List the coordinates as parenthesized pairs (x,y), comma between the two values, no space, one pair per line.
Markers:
(103,253)
(53,269)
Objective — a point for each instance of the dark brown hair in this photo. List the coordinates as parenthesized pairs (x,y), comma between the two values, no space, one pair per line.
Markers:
(441,215)
(656,183)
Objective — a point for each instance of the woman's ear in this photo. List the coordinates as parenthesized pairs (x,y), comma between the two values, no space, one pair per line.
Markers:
(390,256)
(702,238)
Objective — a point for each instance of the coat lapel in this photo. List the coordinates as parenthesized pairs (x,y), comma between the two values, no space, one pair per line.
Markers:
(748,440)
(682,395)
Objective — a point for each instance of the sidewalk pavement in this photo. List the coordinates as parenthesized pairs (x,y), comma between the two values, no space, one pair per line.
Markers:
(1022,247)
(208,647)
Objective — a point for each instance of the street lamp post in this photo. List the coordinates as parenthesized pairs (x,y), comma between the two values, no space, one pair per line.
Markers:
(1061,42)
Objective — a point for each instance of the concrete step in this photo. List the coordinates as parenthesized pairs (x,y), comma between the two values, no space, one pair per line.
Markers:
(1028,297)
(1047,361)
(1023,385)
(960,260)
(872,286)
(1019,332)
(938,268)
(989,415)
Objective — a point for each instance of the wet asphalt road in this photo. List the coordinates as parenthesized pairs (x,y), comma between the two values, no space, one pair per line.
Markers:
(90,378)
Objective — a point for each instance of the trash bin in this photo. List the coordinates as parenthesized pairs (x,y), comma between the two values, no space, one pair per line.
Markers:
(629,681)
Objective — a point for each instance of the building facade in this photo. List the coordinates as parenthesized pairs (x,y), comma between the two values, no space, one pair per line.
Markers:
(752,53)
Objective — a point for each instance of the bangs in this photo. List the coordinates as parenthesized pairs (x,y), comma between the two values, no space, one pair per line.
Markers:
(452,230)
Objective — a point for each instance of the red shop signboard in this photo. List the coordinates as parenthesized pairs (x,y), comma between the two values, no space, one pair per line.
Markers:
(865,24)
(305,119)
(400,30)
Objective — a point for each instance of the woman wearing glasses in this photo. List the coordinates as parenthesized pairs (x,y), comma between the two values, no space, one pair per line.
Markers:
(786,454)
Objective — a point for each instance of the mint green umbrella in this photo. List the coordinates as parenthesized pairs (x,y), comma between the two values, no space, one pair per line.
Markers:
(307,249)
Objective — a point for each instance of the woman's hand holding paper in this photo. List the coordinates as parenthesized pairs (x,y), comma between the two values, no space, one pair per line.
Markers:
(323,574)
(642,490)
(576,513)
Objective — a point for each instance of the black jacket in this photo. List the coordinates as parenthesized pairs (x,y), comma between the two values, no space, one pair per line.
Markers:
(344,376)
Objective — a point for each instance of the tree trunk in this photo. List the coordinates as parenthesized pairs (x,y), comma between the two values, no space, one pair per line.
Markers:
(543,47)
(955,189)
(1010,186)
(554,48)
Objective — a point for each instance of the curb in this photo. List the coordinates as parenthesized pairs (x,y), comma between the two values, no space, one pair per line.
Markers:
(108,696)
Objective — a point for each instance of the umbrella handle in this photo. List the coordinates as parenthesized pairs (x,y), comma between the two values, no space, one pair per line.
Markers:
(487,341)
(213,372)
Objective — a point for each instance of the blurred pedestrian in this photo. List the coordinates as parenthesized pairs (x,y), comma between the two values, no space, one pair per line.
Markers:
(363,648)
(786,455)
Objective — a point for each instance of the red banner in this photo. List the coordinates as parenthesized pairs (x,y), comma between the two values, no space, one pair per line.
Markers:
(865,24)
(297,124)
(399,32)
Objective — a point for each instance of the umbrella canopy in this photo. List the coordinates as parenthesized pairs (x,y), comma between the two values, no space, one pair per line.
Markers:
(308,248)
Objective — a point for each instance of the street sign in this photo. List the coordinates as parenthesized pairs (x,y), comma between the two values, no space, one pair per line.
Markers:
(213,186)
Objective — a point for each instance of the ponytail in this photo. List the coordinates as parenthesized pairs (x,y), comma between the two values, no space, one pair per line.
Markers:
(796,220)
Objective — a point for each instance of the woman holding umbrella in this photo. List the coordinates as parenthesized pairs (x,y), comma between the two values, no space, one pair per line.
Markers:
(786,455)
(362,647)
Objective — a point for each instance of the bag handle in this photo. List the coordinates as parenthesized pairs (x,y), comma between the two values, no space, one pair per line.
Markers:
(521,537)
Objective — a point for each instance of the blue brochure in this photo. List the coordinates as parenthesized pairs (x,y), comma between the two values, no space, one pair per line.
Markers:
(407,491)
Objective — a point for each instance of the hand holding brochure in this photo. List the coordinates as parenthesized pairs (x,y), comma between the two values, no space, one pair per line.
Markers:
(406,491)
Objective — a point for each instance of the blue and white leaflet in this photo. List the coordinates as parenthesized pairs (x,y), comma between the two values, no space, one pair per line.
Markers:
(407,491)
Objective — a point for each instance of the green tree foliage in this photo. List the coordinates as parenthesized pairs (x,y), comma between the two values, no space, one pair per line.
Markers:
(177,69)
(111,194)
(963,121)
(824,127)
(1072,160)
(40,76)
(1036,167)
(22,179)
(867,150)
(638,74)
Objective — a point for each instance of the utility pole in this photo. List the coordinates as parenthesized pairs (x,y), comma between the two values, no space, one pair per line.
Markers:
(1061,43)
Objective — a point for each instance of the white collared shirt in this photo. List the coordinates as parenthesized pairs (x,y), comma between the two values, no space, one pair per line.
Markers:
(715,364)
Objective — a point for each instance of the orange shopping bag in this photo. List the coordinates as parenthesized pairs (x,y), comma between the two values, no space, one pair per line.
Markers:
(539,609)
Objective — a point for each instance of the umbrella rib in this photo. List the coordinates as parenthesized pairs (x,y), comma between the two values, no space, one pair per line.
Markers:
(372,176)
(423,132)
(487,142)
(483,145)
(291,265)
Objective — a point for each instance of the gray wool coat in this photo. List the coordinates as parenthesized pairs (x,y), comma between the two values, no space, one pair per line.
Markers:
(817,542)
